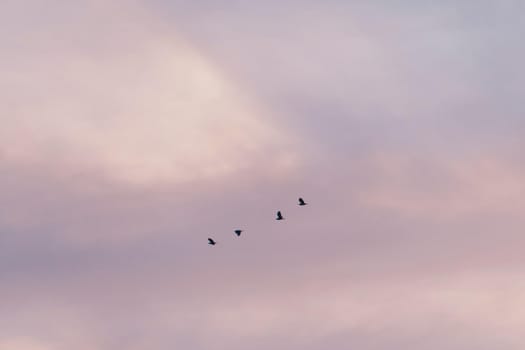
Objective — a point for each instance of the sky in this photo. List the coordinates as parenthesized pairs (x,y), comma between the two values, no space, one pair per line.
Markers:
(131,131)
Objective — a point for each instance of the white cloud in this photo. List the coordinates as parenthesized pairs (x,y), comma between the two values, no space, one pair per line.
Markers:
(140,104)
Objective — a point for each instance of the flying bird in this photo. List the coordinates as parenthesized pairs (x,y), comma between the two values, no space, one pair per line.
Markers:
(238,232)
(279,216)
(302,202)
(211,241)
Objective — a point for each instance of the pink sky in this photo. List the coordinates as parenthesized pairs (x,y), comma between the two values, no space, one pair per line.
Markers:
(134,130)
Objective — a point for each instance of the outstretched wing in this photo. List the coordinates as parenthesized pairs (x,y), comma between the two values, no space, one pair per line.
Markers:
(211,241)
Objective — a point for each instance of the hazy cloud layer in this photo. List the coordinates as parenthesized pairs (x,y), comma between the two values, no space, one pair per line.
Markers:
(132,131)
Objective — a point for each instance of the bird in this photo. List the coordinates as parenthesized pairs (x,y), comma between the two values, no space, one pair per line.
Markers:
(211,241)
(238,232)
(302,202)
(279,216)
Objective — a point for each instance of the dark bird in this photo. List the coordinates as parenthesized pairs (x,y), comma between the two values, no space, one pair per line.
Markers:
(211,241)
(279,216)
(302,202)
(238,232)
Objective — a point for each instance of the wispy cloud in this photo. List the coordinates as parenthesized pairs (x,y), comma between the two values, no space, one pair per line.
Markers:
(143,105)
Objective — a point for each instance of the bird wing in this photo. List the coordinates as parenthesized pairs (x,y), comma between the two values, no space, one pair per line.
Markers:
(301,201)
(211,241)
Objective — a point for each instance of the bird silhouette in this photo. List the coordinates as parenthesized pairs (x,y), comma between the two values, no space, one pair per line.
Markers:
(302,202)
(238,232)
(211,241)
(279,216)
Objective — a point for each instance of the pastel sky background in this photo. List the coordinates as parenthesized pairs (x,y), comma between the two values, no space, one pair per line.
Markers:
(133,130)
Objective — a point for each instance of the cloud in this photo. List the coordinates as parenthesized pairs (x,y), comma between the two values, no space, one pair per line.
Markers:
(445,188)
(155,110)
(134,131)
(21,344)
